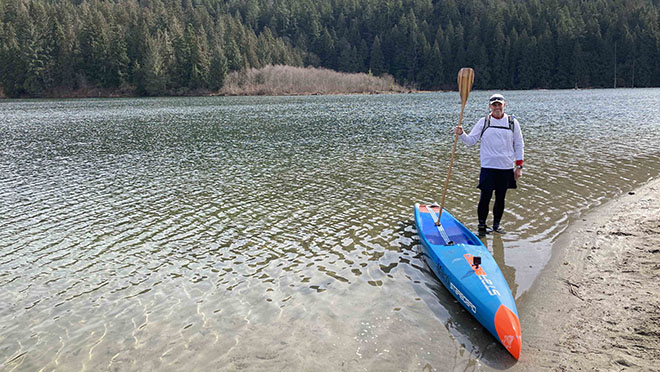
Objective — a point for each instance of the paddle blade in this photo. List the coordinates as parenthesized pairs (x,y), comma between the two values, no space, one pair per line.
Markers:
(465,81)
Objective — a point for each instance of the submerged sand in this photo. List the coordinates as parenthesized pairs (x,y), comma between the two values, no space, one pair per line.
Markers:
(597,305)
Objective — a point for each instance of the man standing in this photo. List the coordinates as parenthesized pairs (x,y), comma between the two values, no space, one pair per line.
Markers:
(502,152)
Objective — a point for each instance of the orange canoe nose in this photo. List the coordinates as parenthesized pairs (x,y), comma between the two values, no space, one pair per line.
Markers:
(507,326)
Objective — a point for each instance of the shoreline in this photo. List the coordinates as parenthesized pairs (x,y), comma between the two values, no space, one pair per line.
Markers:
(119,94)
(75,95)
(596,306)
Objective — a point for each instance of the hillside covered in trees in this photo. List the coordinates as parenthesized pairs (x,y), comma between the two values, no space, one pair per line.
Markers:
(157,47)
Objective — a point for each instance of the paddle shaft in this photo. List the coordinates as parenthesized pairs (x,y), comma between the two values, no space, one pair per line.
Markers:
(451,162)
(465,80)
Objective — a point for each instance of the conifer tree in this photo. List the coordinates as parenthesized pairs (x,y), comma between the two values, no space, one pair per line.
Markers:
(377,60)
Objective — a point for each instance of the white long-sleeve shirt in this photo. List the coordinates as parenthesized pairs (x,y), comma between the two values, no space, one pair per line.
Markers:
(500,147)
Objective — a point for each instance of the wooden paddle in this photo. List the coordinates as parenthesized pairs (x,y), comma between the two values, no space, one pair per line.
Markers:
(465,81)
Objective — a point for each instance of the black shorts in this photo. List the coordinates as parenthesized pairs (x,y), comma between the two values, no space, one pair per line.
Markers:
(496,179)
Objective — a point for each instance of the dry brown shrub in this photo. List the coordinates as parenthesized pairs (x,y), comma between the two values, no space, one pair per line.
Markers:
(290,80)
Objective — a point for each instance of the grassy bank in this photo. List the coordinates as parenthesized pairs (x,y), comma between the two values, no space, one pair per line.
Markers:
(289,80)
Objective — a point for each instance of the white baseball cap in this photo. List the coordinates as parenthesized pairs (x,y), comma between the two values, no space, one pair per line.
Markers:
(496,98)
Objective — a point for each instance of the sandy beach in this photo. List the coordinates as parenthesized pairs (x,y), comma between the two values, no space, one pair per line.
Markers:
(597,306)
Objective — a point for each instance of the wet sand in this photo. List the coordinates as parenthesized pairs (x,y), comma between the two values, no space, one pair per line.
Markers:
(597,305)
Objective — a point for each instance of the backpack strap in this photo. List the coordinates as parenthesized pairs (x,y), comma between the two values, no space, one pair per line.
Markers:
(486,125)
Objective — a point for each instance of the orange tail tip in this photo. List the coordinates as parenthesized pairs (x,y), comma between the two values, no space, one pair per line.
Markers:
(507,326)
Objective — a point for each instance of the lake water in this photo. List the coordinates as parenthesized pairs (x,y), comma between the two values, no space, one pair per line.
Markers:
(277,233)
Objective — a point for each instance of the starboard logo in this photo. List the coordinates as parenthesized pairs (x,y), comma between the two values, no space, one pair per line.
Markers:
(462,297)
(481,274)
(507,341)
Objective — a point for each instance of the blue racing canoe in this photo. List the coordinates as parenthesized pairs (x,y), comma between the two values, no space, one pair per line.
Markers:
(453,252)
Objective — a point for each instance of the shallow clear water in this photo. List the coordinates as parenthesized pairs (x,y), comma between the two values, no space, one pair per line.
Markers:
(276,233)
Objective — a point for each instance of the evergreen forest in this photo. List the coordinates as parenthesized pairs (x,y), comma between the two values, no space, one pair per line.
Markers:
(175,47)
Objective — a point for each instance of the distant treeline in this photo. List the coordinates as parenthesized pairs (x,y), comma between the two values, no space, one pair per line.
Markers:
(157,47)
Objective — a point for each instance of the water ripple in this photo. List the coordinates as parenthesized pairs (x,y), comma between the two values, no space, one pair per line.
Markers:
(170,233)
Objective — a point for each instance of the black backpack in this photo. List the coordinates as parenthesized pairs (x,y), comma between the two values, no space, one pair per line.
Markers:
(487,124)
